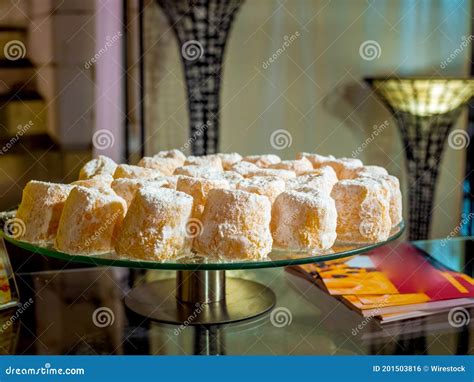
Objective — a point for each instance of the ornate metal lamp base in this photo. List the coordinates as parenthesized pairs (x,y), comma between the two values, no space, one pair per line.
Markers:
(200,298)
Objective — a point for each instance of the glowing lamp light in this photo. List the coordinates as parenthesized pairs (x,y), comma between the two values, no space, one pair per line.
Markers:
(424,97)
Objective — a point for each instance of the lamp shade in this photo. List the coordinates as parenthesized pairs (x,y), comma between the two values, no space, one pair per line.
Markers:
(424,97)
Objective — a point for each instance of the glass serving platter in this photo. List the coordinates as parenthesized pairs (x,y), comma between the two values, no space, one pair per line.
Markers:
(277,257)
(201,289)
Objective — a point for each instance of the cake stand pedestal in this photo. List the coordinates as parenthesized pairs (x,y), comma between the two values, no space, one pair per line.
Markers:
(200,298)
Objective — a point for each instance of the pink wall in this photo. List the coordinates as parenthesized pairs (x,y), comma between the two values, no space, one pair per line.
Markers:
(109,93)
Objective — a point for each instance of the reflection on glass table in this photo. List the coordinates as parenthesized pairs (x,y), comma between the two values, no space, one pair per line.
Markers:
(81,311)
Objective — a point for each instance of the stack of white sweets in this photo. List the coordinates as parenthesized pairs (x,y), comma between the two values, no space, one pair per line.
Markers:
(224,205)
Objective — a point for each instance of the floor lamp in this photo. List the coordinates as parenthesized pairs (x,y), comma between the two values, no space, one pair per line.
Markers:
(425,109)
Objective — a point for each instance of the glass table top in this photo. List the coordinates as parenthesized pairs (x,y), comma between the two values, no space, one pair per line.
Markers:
(66,302)
(277,258)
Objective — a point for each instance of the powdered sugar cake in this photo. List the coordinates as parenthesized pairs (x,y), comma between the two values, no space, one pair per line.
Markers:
(262,161)
(126,188)
(269,186)
(340,165)
(135,172)
(343,166)
(164,161)
(396,211)
(299,166)
(98,166)
(392,184)
(199,188)
(205,160)
(40,210)
(236,225)
(171,181)
(196,171)
(249,170)
(222,161)
(232,177)
(278,173)
(322,179)
(229,159)
(352,173)
(363,211)
(174,154)
(155,225)
(389,182)
(241,206)
(89,221)
(165,166)
(316,160)
(304,220)
(100,182)
(244,168)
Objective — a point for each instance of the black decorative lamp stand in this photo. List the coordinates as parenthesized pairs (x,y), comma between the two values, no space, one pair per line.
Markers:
(426,109)
(202,28)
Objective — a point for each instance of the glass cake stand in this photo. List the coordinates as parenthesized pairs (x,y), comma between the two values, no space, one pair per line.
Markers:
(200,294)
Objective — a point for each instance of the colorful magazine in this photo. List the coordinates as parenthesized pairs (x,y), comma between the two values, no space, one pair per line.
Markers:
(394,280)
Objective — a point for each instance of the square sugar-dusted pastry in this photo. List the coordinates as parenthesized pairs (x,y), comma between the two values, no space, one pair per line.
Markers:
(155,227)
(363,211)
(40,210)
(199,188)
(235,225)
(89,221)
(98,166)
(269,186)
(304,220)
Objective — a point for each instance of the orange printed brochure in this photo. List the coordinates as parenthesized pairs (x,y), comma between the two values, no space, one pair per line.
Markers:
(375,302)
(398,269)
(5,292)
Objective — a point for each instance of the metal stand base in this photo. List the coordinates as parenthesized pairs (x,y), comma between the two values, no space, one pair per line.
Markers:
(200,298)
